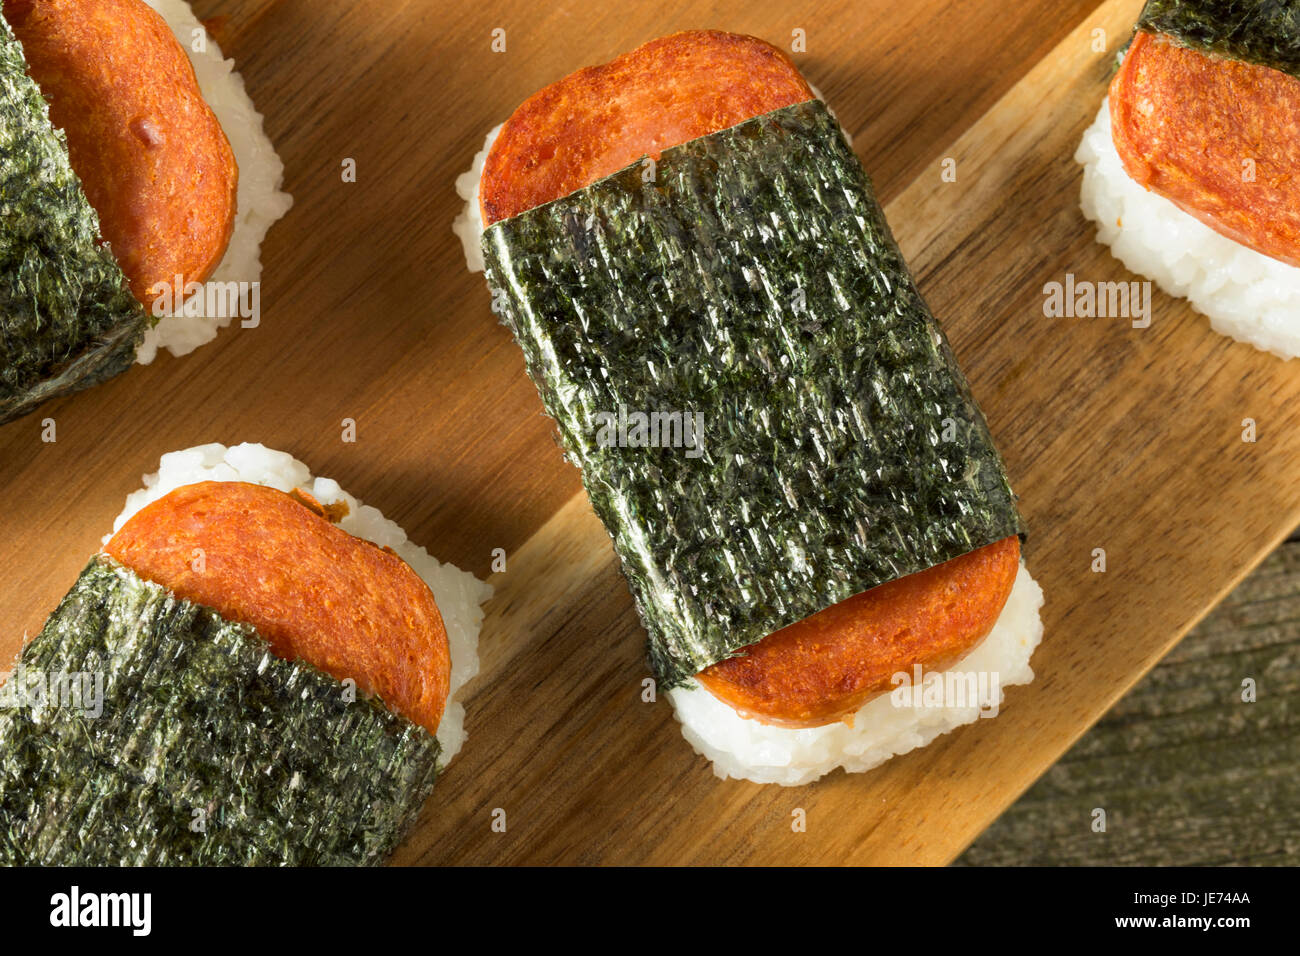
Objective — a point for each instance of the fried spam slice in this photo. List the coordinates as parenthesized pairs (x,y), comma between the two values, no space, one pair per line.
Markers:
(825,667)
(1218,137)
(151,155)
(259,556)
(602,118)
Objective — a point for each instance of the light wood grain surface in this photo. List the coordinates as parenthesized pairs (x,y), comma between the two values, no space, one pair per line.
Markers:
(1123,439)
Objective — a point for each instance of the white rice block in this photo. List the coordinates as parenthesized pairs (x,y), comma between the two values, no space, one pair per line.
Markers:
(458,593)
(261,202)
(1250,296)
(469,224)
(748,750)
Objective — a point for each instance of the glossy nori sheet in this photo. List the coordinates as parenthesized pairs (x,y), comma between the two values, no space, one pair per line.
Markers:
(197,715)
(1264,32)
(67,318)
(753,280)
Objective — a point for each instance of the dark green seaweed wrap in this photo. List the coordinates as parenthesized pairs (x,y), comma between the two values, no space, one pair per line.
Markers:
(207,748)
(1263,32)
(67,318)
(754,281)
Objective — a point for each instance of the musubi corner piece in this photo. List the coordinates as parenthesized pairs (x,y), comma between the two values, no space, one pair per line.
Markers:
(273,672)
(134,169)
(1190,167)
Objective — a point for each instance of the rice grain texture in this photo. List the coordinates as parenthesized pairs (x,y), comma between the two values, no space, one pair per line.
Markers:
(1246,295)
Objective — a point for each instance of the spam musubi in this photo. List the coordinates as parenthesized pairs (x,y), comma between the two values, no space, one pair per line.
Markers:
(684,233)
(274,670)
(137,177)
(1190,167)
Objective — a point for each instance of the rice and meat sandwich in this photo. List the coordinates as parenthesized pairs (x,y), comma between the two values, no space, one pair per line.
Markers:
(683,234)
(275,671)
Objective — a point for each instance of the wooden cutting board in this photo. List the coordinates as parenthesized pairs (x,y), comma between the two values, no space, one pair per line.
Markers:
(1116,438)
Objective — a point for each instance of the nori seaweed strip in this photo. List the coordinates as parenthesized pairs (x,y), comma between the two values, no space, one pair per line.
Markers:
(198,714)
(1263,32)
(753,280)
(67,318)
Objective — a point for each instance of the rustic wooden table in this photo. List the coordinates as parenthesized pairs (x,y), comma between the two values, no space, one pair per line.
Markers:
(1116,439)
